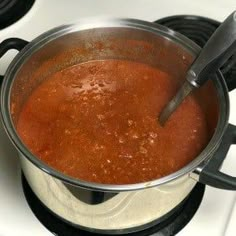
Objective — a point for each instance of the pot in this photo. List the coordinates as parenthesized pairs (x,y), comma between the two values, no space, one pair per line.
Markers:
(114,208)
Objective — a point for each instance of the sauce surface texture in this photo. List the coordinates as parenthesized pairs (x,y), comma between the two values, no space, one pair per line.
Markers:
(97,121)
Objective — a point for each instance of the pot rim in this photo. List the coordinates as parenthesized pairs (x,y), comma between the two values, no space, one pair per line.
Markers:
(93,23)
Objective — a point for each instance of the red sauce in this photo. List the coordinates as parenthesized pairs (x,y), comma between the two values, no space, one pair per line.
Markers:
(97,121)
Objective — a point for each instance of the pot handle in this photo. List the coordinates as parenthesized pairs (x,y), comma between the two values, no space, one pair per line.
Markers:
(11,43)
(211,174)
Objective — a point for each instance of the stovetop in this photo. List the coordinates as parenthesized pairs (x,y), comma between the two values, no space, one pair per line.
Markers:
(217,212)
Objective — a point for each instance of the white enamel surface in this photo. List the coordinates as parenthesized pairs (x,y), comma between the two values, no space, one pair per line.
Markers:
(217,213)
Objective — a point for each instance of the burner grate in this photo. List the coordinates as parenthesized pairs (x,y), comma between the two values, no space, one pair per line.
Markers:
(12,10)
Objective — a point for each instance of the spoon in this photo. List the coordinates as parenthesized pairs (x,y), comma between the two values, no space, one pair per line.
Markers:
(218,49)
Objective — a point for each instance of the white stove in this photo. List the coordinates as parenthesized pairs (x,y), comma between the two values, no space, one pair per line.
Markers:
(217,212)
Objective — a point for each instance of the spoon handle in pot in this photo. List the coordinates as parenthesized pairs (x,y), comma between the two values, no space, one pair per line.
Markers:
(219,48)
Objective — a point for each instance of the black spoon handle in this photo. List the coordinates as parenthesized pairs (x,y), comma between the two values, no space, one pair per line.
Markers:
(218,49)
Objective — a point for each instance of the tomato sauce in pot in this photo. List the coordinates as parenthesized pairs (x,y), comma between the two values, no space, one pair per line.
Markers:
(97,121)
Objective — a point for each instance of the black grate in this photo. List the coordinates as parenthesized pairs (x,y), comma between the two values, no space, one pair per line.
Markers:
(12,10)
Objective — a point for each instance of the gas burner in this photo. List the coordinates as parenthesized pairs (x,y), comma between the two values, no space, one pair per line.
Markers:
(13,10)
(169,225)
(199,29)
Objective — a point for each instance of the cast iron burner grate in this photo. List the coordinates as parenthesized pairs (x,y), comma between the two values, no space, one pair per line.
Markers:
(12,10)
(169,226)
(199,29)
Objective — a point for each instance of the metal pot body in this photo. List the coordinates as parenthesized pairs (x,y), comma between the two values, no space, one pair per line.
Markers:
(106,212)
(100,207)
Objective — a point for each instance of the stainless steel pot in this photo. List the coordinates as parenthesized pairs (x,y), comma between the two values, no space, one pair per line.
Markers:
(114,208)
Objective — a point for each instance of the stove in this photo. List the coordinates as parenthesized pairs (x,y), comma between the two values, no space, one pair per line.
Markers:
(214,210)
